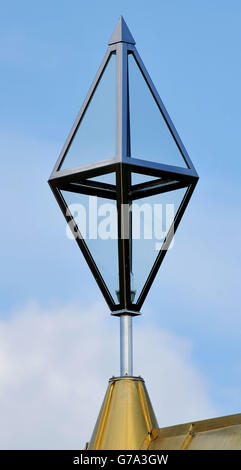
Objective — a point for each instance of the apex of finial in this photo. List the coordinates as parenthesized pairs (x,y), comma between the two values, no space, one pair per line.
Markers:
(121,33)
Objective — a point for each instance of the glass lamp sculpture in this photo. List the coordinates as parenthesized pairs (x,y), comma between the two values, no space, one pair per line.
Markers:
(123,157)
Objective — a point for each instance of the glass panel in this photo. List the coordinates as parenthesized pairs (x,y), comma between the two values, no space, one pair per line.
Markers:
(137,178)
(109,178)
(95,137)
(150,136)
(151,220)
(97,222)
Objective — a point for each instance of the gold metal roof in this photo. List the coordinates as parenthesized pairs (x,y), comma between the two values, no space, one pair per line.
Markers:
(127,422)
(223,433)
(126,418)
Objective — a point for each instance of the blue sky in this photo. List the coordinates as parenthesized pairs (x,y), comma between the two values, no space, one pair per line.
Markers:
(49,54)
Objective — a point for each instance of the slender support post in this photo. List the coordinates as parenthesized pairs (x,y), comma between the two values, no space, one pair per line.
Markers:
(126,345)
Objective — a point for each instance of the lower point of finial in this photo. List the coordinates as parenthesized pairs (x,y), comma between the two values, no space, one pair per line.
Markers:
(132,313)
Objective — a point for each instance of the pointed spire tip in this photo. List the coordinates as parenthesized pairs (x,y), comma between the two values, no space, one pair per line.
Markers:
(121,33)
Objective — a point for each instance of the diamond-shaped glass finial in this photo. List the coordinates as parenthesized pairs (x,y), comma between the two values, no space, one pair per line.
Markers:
(124,150)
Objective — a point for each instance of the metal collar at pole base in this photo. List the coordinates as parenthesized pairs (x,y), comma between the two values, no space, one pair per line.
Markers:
(126,419)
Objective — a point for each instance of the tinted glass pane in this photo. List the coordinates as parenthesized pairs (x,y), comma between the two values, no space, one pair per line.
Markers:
(109,178)
(95,137)
(137,178)
(150,136)
(151,220)
(97,222)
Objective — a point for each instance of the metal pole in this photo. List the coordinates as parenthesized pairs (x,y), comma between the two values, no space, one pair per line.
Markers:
(126,345)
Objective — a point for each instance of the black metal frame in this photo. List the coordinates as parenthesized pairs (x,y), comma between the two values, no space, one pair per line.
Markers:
(166,178)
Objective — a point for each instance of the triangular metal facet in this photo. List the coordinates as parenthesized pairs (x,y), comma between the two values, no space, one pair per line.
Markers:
(121,33)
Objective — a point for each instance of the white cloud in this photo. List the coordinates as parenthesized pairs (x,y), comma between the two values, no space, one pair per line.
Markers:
(54,369)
